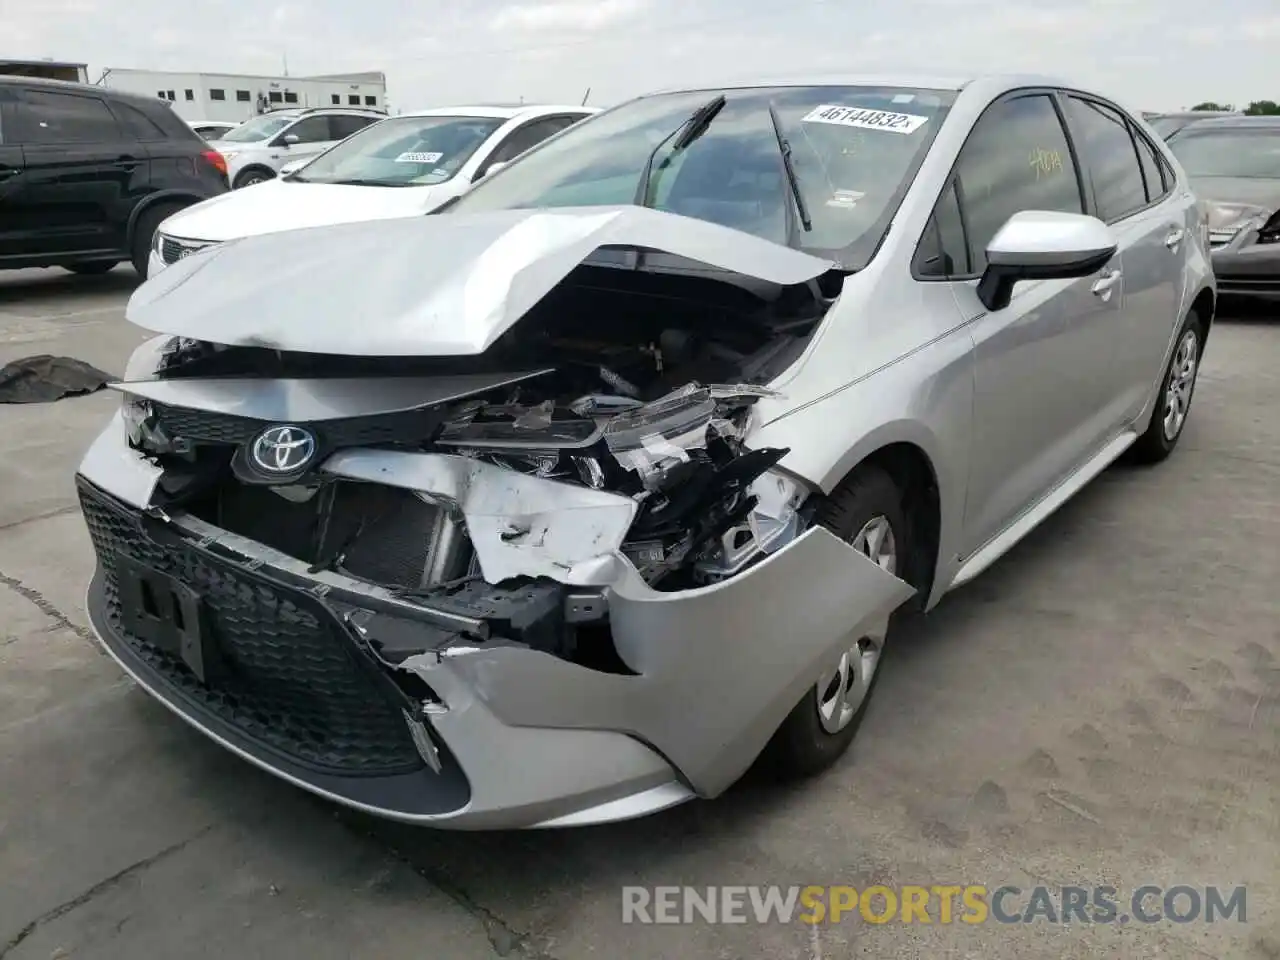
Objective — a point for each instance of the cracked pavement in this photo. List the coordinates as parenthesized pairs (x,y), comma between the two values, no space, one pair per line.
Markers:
(1102,707)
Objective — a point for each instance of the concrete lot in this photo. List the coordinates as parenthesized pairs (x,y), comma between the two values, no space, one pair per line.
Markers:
(1103,707)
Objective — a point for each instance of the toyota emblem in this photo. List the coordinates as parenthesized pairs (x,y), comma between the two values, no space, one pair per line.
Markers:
(284,449)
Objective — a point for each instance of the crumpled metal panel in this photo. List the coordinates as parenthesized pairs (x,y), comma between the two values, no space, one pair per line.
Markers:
(768,631)
(519,525)
(440,285)
(306,400)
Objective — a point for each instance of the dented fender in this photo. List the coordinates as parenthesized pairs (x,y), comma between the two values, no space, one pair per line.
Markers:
(771,628)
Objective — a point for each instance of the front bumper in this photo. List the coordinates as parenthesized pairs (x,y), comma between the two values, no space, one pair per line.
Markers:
(521,738)
(1247,268)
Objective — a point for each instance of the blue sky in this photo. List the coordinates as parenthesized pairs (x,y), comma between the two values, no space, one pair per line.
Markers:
(1152,54)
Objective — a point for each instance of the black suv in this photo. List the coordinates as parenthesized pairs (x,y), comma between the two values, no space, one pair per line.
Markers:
(87,174)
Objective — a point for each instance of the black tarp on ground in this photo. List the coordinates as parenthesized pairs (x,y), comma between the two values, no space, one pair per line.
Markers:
(46,378)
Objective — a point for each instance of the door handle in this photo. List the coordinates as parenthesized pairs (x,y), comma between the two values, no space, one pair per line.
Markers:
(127,163)
(1174,238)
(1103,285)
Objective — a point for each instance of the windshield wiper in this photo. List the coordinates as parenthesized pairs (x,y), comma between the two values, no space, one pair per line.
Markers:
(685,134)
(793,182)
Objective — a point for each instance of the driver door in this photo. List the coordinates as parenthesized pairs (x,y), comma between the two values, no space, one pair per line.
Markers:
(1042,365)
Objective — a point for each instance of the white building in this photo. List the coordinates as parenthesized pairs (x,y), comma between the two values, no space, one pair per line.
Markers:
(236,97)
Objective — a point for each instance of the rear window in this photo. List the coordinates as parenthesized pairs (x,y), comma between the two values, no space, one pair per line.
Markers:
(1251,154)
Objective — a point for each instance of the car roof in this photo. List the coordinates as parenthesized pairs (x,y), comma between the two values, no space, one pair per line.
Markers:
(955,82)
(1236,122)
(500,111)
(69,86)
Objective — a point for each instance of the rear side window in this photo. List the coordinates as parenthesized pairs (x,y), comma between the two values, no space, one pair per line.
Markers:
(344,125)
(46,117)
(1152,170)
(137,123)
(1017,158)
(1109,155)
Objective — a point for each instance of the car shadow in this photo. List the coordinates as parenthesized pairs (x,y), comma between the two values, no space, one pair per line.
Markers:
(35,287)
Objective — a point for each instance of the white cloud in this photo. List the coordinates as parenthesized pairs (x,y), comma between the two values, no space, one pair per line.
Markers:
(568,15)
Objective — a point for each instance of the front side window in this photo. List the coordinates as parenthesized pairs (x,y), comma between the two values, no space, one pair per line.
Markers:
(855,150)
(259,128)
(46,117)
(402,152)
(1108,153)
(311,130)
(1249,154)
(942,251)
(1016,158)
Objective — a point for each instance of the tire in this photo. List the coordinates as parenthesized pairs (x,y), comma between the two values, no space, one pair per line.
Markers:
(804,744)
(1177,387)
(144,231)
(248,178)
(95,268)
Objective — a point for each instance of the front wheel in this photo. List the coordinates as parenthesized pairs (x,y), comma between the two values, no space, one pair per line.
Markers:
(1176,389)
(866,511)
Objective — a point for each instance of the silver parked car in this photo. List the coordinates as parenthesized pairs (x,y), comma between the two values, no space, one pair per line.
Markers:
(573,501)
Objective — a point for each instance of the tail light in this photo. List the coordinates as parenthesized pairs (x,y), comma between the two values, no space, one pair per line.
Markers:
(216,160)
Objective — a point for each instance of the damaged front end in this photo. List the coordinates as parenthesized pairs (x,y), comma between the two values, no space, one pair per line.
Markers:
(481,591)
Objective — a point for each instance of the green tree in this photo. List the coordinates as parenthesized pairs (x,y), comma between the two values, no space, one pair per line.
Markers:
(1211,105)
(1263,108)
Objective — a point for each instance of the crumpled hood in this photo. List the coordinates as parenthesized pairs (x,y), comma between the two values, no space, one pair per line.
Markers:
(1244,191)
(443,285)
(289,205)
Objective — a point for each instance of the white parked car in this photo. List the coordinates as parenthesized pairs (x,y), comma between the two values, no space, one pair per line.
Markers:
(403,166)
(256,149)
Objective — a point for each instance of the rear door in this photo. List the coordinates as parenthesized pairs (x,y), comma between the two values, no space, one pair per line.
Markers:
(1129,191)
(1042,364)
(11,181)
(82,173)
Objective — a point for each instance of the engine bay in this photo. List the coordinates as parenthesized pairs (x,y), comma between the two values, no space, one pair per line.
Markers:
(641,385)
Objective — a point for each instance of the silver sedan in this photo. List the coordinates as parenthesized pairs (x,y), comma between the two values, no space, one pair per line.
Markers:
(578,498)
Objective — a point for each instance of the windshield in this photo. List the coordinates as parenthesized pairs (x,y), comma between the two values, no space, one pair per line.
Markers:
(1166,125)
(854,151)
(402,152)
(259,128)
(1253,154)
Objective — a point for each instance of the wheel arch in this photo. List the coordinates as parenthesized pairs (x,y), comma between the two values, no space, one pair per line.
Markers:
(174,198)
(1204,304)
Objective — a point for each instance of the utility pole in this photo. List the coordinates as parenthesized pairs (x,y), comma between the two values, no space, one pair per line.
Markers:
(585,96)
(285,58)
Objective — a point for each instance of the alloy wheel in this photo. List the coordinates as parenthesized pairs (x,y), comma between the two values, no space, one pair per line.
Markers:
(842,689)
(1182,380)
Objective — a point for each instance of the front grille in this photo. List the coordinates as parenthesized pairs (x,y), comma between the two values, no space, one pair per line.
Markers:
(203,426)
(171,250)
(293,682)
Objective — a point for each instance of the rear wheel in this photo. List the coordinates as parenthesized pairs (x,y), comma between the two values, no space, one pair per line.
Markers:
(144,233)
(866,511)
(1174,402)
(95,268)
(251,176)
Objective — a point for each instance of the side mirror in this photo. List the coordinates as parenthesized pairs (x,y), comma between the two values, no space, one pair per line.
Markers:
(289,139)
(495,167)
(292,167)
(1043,245)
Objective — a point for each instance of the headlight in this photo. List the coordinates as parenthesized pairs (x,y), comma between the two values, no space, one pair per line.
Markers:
(157,241)
(136,412)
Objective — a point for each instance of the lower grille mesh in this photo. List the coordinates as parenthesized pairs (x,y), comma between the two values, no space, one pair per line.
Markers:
(293,682)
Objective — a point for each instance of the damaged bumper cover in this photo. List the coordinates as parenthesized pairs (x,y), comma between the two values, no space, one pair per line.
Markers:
(425,711)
